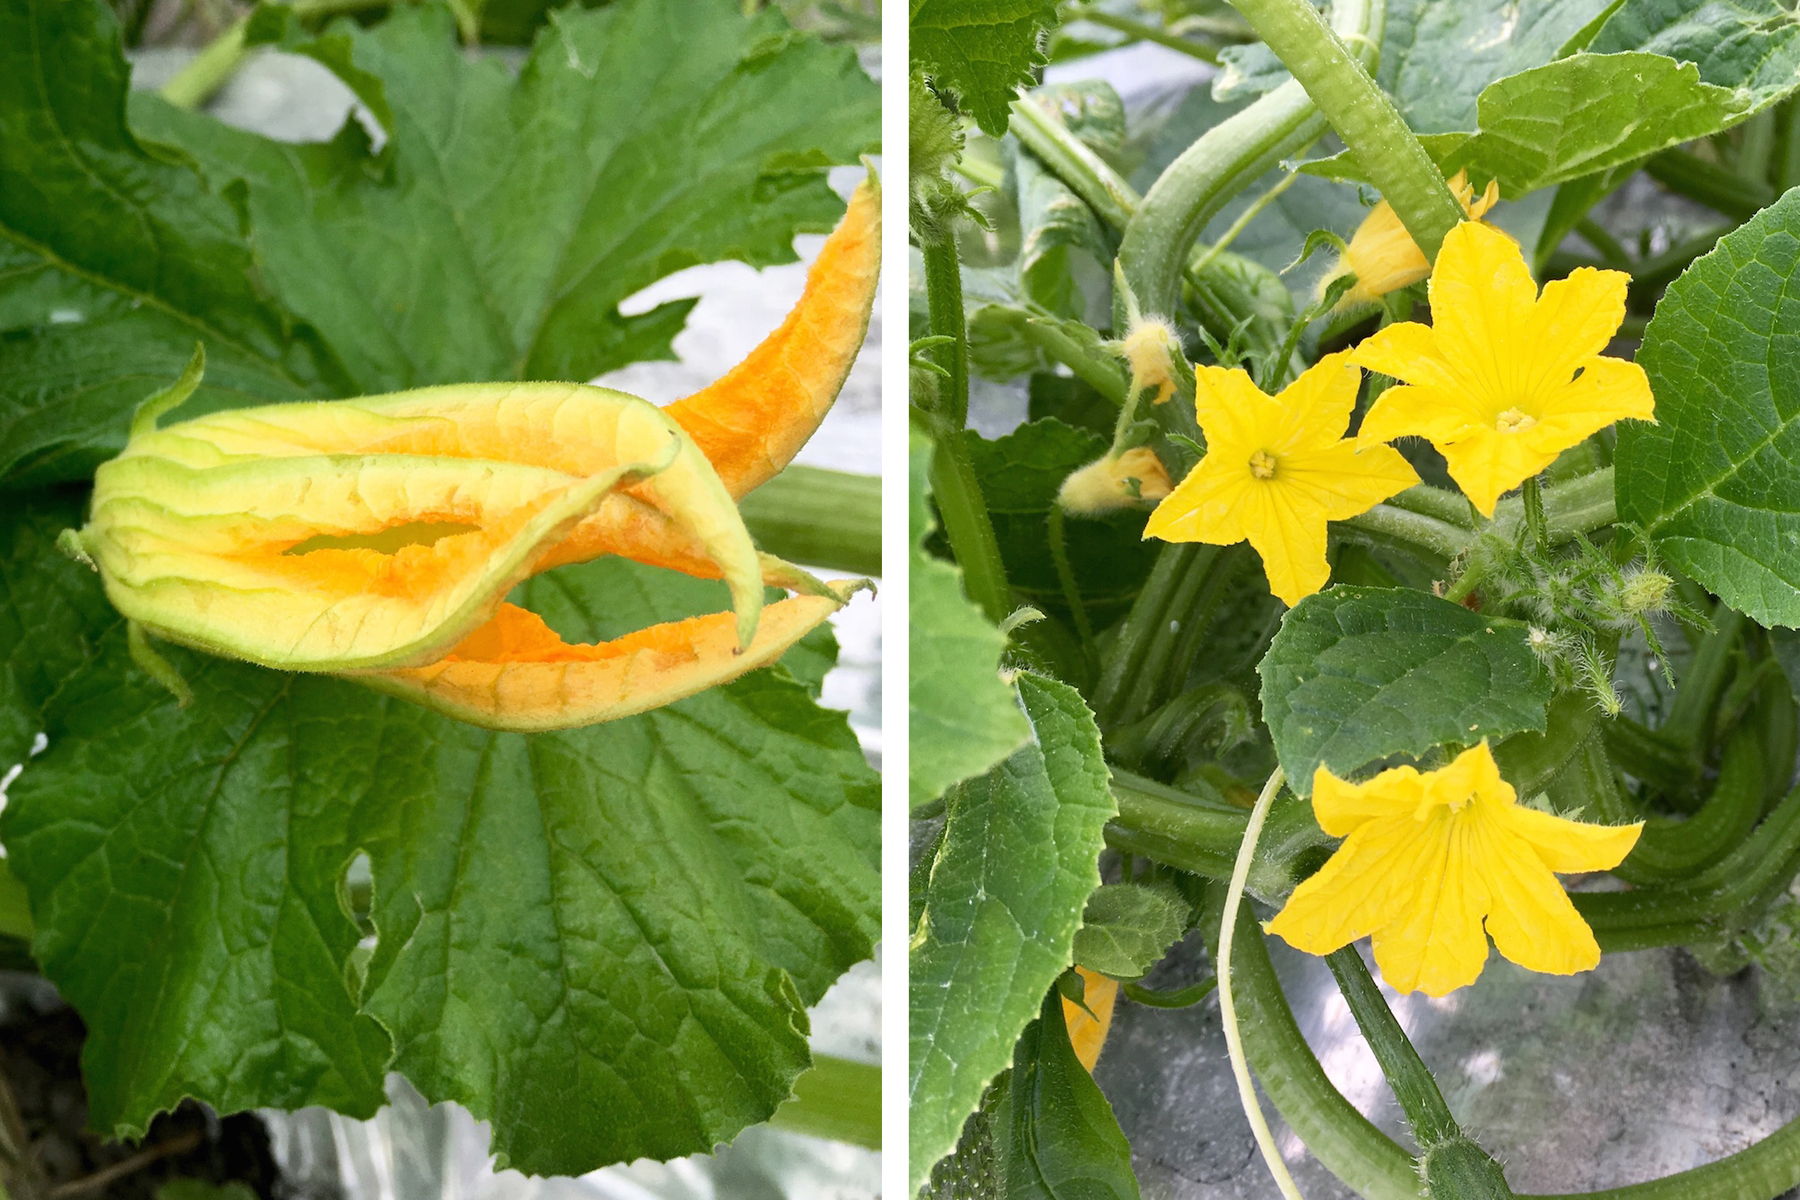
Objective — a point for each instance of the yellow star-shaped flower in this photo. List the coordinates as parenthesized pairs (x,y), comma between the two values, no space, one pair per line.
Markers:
(1383,254)
(1504,379)
(1277,469)
(1429,856)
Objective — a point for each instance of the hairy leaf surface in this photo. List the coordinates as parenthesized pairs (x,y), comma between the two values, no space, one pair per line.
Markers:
(1716,481)
(983,50)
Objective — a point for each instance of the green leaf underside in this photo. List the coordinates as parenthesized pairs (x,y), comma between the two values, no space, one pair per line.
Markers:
(1716,481)
(1752,44)
(1063,1141)
(963,719)
(600,940)
(1020,475)
(1018,860)
(1360,674)
(513,216)
(1126,928)
(983,50)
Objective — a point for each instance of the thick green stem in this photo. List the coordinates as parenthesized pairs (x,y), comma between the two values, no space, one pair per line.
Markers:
(1143,31)
(1449,507)
(1224,161)
(1697,693)
(1390,156)
(818,517)
(836,1099)
(943,293)
(1085,173)
(1580,505)
(1721,190)
(1428,533)
(966,524)
(1200,832)
(1417,1092)
(1098,372)
(1173,581)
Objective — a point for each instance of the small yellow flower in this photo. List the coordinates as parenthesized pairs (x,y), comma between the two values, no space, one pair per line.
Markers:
(1277,469)
(1088,1026)
(1504,380)
(1111,483)
(1427,857)
(1383,254)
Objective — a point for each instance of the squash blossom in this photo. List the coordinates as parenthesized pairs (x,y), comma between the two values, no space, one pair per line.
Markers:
(377,538)
(1383,255)
(1088,1026)
(1504,379)
(1277,469)
(1114,481)
(1429,857)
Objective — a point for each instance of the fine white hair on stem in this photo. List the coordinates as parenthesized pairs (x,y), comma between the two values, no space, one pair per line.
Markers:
(1234,1044)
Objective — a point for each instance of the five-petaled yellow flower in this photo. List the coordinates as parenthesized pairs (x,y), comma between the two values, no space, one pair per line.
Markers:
(1428,856)
(1277,469)
(1383,254)
(1504,380)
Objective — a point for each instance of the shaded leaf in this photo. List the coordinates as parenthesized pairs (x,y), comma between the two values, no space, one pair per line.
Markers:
(1062,1141)
(1126,928)
(1751,44)
(1358,674)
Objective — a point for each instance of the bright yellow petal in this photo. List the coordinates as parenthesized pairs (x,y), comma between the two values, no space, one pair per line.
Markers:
(1086,1034)
(1433,413)
(1531,918)
(1572,322)
(1407,351)
(1207,506)
(1471,774)
(1316,406)
(1438,945)
(1607,390)
(1342,481)
(1487,463)
(1232,411)
(1288,530)
(1570,846)
(1342,807)
(1368,883)
(1482,297)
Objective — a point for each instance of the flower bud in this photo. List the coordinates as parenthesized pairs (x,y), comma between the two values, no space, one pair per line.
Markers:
(1384,256)
(1147,349)
(1644,592)
(1110,483)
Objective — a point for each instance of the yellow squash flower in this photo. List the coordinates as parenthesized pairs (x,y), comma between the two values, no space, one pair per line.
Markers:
(1429,856)
(1112,482)
(377,538)
(1277,469)
(1088,1026)
(1383,254)
(1504,380)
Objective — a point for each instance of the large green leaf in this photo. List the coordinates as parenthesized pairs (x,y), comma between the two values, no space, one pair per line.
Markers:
(962,718)
(1061,1141)
(983,50)
(1751,44)
(1716,481)
(1357,674)
(600,940)
(1018,858)
(115,258)
(492,237)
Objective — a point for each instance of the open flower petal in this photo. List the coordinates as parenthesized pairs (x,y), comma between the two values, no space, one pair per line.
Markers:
(753,421)
(1431,858)
(515,673)
(1315,408)
(1207,506)
(1290,539)
(1505,380)
(1088,1026)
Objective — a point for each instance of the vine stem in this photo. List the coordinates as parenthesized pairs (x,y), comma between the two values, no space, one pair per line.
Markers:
(1355,106)
(1234,1042)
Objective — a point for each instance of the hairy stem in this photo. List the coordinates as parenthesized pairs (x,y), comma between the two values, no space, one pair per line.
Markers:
(837,1099)
(818,517)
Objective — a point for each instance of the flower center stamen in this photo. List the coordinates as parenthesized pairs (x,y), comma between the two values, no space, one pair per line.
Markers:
(1514,420)
(1262,465)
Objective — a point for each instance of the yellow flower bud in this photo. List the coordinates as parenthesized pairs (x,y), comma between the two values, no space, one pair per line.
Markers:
(1108,484)
(1146,349)
(1383,254)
